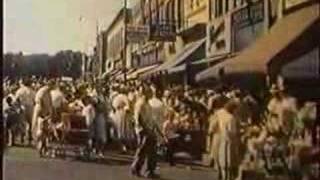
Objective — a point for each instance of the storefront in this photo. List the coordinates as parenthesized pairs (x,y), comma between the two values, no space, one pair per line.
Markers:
(146,59)
(290,40)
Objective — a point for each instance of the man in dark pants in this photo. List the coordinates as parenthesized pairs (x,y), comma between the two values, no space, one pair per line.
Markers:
(145,151)
(147,132)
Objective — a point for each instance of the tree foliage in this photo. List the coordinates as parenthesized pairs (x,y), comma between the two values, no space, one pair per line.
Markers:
(63,63)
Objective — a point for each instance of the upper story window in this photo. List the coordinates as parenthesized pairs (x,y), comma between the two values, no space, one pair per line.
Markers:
(218,8)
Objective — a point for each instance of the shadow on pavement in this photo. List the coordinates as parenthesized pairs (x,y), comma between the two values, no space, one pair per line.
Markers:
(113,161)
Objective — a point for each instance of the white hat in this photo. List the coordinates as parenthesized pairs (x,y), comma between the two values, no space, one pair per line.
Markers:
(210,92)
(166,93)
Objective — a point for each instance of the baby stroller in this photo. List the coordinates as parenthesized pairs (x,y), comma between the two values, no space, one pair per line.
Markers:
(62,138)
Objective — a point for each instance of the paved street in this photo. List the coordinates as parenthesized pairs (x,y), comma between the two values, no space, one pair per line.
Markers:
(24,164)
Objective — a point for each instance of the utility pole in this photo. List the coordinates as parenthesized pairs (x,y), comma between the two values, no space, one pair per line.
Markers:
(124,63)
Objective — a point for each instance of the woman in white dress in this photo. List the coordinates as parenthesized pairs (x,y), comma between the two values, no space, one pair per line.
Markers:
(228,151)
(121,105)
(89,114)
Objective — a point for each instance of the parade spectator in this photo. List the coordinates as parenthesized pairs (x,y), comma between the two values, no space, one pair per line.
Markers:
(238,127)
(26,96)
(228,141)
(121,106)
(169,130)
(274,108)
(89,114)
(43,111)
(58,102)
(12,117)
(157,107)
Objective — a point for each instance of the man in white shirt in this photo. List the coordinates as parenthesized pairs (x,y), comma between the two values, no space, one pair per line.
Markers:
(157,107)
(147,131)
(26,96)
(58,101)
(44,108)
(90,114)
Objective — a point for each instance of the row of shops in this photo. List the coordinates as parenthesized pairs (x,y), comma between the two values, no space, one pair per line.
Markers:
(246,47)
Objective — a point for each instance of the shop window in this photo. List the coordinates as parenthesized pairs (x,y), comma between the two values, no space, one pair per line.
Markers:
(221,44)
(219,8)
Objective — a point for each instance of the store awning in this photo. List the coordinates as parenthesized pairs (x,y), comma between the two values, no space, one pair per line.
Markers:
(177,69)
(180,57)
(135,74)
(201,62)
(255,59)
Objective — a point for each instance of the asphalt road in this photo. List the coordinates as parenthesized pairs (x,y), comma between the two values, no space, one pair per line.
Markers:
(24,164)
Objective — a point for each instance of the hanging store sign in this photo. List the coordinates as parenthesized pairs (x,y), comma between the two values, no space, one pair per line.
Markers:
(137,34)
(163,32)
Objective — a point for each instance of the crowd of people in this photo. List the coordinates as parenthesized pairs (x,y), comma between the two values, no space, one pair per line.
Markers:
(242,132)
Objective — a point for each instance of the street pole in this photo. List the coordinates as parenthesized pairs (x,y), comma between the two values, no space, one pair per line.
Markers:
(124,63)
(83,57)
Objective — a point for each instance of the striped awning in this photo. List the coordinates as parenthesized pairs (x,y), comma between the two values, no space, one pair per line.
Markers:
(179,57)
(135,74)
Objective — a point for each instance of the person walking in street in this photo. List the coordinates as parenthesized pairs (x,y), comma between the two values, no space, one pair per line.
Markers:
(100,122)
(147,131)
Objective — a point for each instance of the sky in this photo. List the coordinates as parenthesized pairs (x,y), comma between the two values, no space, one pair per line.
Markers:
(47,26)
